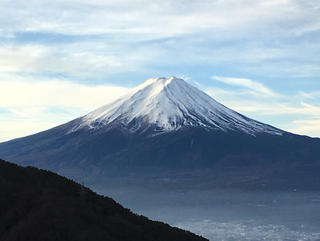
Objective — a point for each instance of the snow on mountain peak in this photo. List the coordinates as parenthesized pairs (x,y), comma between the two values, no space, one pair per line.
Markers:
(157,83)
(169,104)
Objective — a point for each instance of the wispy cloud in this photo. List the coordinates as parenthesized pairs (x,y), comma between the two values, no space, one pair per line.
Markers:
(247,83)
(196,32)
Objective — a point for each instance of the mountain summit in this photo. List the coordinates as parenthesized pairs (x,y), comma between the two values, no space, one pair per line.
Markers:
(167,126)
(168,104)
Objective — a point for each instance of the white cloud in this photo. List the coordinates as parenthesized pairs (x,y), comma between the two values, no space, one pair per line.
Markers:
(57,93)
(277,109)
(246,83)
(178,17)
(267,102)
(293,113)
(38,58)
(16,129)
(200,32)
(19,59)
(32,107)
(306,127)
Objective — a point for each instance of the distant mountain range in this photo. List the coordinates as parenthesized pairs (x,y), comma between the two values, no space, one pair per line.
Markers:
(166,127)
(40,205)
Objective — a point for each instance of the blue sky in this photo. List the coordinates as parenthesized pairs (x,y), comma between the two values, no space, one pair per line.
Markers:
(62,59)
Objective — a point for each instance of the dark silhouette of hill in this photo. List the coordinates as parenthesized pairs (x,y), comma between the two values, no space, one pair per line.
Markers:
(41,205)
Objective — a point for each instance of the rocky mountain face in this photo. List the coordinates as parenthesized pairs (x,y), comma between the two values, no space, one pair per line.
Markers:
(168,127)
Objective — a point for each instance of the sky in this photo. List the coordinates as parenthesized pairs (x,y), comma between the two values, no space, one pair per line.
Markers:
(60,60)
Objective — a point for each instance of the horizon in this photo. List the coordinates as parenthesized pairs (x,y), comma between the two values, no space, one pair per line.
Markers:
(63,59)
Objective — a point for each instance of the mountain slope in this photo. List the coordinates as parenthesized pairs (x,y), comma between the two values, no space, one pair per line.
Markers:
(40,205)
(165,126)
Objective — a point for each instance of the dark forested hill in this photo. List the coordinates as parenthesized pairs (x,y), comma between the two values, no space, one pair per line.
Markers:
(41,205)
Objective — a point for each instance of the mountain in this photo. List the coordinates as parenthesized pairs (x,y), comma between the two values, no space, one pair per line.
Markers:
(166,127)
(167,104)
(41,205)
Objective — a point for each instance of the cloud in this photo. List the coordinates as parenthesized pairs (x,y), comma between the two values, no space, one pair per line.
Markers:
(16,129)
(34,106)
(246,83)
(57,93)
(39,58)
(306,127)
(267,102)
(296,112)
(114,37)
(141,16)
(279,109)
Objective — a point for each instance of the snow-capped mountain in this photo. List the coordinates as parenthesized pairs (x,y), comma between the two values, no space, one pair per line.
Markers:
(167,126)
(169,104)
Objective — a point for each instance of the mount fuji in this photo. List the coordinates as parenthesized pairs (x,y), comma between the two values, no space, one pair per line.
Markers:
(169,104)
(167,127)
